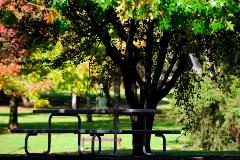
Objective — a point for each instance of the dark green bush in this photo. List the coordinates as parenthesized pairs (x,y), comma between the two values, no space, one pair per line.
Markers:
(210,111)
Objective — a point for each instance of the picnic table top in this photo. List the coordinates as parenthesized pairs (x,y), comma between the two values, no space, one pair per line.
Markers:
(97,111)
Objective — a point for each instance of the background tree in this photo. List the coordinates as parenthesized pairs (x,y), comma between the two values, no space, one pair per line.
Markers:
(85,49)
(17,86)
(103,71)
(21,32)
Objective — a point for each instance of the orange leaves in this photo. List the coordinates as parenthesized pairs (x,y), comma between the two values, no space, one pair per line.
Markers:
(10,82)
(20,2)
(48,17)
(11,69)
(15,41)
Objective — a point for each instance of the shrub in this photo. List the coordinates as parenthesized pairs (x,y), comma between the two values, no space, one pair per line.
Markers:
(41,103)
(210,112)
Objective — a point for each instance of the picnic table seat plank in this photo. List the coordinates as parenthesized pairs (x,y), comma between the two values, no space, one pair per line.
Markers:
(60,130)
(91,131)
(42,130)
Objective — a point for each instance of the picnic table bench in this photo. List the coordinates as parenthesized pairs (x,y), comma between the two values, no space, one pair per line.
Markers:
(95,133)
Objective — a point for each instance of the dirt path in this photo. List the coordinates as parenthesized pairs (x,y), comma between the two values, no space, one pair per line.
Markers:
(20,108)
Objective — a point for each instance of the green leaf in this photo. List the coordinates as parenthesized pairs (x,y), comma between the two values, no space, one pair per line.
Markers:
(141,11)
(216,25)
(165,23)
(229,25)
(198,27)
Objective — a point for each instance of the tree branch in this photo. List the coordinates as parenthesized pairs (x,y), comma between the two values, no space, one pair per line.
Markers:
(131,34)
(181,65)
(169,70)
(114,20)
(100,29)
(149,52)
(165,39)
(120,31)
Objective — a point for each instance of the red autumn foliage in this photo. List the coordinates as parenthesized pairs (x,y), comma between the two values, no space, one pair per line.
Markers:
(13,42)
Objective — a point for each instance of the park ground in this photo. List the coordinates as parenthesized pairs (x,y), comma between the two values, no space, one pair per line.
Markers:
(14,142)
(64,145)
(178,146)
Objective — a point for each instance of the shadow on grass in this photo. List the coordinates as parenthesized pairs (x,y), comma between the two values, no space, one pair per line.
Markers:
(99,123)
(171,154)
(165,124)
(103,124)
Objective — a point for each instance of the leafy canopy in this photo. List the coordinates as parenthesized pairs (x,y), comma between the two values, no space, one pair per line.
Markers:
(200,16)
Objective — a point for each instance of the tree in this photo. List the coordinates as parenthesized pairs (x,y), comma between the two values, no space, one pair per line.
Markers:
(20,33)
(81,49)
(209,111)
(17,85)
(12,86)
(156,36)
(11,51)
(103,71)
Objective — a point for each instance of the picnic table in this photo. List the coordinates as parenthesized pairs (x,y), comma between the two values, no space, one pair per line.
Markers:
(95,133)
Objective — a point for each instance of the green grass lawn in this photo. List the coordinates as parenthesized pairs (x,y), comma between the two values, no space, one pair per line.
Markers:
(62,143)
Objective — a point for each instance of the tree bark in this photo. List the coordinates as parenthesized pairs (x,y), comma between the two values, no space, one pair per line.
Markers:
(137,141)
(137,122)
(88,103)
(13,118)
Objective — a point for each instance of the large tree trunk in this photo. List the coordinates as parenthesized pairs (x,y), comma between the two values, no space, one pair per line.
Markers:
(137,122)
(13,119)
(137,141)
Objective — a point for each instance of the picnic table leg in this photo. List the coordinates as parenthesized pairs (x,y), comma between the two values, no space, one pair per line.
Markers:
(79,135)
(50,126)
(115,134)
(164,142)
(26,145)
(26,142)
(145,135)
(99,145)
(49,134)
